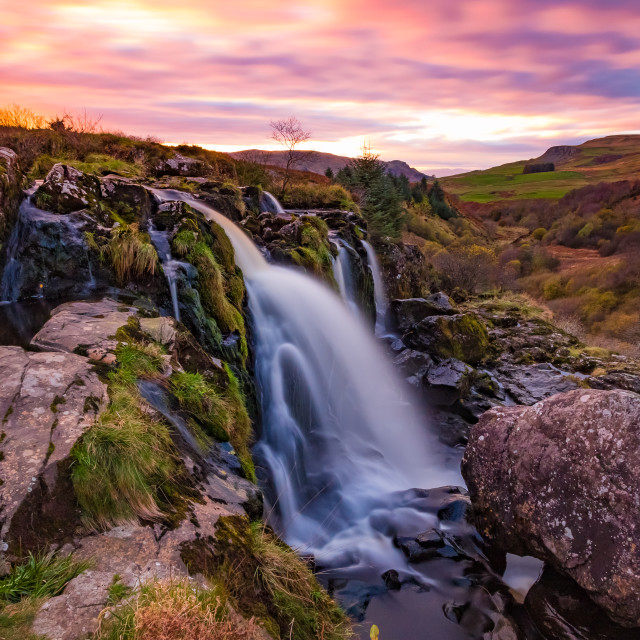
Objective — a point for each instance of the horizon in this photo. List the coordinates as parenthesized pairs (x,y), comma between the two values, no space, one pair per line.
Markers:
(469,86)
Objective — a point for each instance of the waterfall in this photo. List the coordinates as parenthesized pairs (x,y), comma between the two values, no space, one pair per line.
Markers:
(343,273)
(269,203)
(160,240)
(342,443)
(379,292)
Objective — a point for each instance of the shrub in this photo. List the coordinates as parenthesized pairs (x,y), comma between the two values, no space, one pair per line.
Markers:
(539,233)
(318,196)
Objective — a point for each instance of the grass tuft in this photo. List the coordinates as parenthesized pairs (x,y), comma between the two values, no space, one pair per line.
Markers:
(41,576)
(176,610)
(131,253)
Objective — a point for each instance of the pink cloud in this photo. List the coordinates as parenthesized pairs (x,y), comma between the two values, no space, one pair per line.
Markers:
(217,72)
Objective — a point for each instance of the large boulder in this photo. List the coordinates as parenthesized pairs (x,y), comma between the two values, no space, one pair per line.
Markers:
(462,336)
(67,189)
(47,401)
(179,165)
(559,481)
(403,314)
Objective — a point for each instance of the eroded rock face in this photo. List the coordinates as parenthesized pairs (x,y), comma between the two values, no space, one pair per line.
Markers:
(559,480)
(47,400)
(66,189)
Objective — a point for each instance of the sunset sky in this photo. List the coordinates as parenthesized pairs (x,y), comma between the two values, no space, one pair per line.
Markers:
(438,83)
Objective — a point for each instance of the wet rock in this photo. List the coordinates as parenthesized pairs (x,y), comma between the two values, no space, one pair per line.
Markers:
(391,579)
(403,314)
(130,202)
(558,481)
(47,400)
(447,381)
(413,365)
(66,189)
(88,328)
(461,336)
(556,604)
(528,384)
(10,188)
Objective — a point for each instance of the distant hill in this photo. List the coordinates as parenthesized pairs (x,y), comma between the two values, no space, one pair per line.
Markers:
(606,159)
(319,161)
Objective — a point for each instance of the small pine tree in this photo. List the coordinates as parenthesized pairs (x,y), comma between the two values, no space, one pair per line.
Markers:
(329,173)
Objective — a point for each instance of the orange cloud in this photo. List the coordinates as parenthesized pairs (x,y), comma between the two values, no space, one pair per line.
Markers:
(470,83)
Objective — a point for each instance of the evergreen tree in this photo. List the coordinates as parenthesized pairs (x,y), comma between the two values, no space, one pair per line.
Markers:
(329,173)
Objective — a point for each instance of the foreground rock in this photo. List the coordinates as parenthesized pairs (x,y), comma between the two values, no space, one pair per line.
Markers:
(559,480)
(66,189)
(47,400)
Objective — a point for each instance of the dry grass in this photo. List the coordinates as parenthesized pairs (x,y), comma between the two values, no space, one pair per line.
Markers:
(177,610)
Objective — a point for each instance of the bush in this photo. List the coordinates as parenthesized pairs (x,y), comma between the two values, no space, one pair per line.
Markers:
(318,196)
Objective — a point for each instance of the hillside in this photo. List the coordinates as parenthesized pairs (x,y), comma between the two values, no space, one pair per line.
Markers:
(318,162)
(607,159)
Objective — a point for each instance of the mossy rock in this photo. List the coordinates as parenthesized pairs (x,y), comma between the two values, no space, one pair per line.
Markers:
(462,336)
(66,189)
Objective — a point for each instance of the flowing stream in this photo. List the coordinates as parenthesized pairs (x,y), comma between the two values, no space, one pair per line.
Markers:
(269,203)
(342,442)
(379,293)
(343,274)
(160,240)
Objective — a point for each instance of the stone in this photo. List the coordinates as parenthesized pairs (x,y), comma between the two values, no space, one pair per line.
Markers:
(179,165)
(51,257)
(413,365)
(403,314)
(66,189)
(559,481)
(528,384)
(447,381)
(462,336)
(47,401)
(90,327)
(10,189)
(129,201)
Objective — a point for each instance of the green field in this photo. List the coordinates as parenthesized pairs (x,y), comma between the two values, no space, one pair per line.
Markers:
(602,160)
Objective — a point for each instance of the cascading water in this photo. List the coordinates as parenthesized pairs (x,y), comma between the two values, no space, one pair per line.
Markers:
(160,240)
(269,203)
(343,273)
(379,292)
(341,440)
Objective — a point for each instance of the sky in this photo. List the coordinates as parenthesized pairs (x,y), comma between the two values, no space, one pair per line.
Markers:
(437,83)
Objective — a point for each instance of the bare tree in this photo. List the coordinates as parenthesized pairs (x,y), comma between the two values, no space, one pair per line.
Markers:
(289,133)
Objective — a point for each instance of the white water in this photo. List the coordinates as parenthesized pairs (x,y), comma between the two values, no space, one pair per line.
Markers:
(343,274)
(270,204)
(341,440)
(379,292)
(160,240)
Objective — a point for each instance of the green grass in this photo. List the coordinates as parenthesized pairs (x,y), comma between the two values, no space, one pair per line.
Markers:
(16,619)
(507,182)
(117,591)
(126,466)
(40,576)
(131,254)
